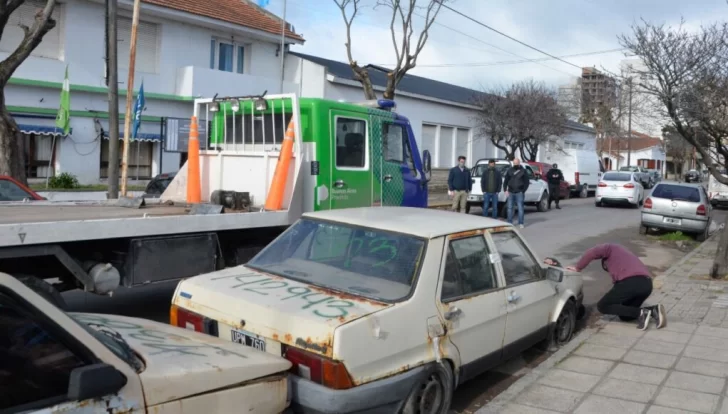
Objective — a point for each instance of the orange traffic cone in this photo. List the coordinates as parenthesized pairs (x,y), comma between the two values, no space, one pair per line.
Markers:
(280,178)
(194,192)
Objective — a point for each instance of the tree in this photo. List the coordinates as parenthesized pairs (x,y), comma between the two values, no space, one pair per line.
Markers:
(520,118)
(406,48)
(687,73)
(11,146)
(676,147)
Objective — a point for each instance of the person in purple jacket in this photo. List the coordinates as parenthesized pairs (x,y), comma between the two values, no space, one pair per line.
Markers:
(632,285)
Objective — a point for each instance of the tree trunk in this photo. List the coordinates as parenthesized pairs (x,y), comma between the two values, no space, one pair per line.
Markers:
(720,263)
(12,150)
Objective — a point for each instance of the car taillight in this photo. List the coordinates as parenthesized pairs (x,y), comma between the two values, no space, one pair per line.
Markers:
(701,210)
(331,374)
(190,320)
(648,203)
(629,185)
(576,178)
(602,184)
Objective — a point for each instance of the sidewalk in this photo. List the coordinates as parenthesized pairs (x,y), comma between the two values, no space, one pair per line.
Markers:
(615,368)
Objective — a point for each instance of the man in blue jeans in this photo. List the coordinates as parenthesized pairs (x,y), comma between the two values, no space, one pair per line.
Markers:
(491,183)
(516,183)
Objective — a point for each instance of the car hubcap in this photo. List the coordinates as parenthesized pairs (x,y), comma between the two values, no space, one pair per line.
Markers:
(563,328)
(432,396)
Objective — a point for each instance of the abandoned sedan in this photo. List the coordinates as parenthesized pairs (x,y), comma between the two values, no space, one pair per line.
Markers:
(386,308)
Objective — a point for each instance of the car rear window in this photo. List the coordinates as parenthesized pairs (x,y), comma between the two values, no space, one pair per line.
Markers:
(677,192)
(478,170)
(616,176)
(361,261)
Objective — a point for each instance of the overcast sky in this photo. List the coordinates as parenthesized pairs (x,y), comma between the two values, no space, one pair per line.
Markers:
(462,52)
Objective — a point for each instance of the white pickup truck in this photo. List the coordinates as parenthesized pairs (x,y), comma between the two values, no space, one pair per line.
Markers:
(536,195)
(57,362)
(717,191)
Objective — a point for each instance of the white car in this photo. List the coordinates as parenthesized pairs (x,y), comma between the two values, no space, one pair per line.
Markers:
(387,309)
(537,193)
(619,187)
(57,362)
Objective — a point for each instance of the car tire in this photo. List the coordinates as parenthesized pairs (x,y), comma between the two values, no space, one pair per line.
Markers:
(543,203)
(643,229)
(565,325)
(44,289)
(598,204)
(701,237)
(433,394)
(584,192)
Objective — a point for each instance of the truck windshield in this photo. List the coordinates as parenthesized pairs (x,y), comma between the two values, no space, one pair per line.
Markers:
(362,261)
(480,168)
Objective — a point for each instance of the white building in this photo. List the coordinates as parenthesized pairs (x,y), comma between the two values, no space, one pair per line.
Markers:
(183,51)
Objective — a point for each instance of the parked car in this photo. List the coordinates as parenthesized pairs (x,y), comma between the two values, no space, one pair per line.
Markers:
(693,176)
(53,361)
(158,184)
(644,176)
(13,190)
(385,309)
(541,168)
(717,191)
(678,207)
(656,176)
(619,187)
(536,195)
(582,169)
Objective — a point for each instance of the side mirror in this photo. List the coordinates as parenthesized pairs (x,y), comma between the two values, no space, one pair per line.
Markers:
(554,274)
(427,165)
(94,381)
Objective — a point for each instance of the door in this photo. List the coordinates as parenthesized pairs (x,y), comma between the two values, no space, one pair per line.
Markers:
(401,182)
(534,188)
(530,297)
(472,304)
(351,166)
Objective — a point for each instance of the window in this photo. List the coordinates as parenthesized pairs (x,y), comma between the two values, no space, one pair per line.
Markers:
(615,176)
(34,365)
(676,192)
(392,142)
(227,56)
(446,147)
(49,47)
(529,172)
(147,55)
(467,268)
(351,143)
(9,191)
(518,264)
(139,163)
(39,155)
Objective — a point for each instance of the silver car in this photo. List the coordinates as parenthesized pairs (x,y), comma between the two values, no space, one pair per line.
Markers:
(678,207)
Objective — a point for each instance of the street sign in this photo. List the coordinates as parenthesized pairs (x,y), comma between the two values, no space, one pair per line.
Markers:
(177,134)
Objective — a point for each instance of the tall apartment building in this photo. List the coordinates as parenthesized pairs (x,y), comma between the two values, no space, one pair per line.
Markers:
(597,89)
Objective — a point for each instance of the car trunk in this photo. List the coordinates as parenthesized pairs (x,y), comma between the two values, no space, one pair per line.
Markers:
(679,202)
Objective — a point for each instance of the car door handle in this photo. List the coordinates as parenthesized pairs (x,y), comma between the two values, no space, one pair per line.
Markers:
(339,183)
(387,178)
(513,297)
(453,313)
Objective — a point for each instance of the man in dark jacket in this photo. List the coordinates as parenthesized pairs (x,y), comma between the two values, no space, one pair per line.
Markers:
(516,183)
(459,185)
(491,183)
(554,177)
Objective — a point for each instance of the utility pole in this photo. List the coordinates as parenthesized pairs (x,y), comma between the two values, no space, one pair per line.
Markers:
(629,125)
(112,82)
(129,96)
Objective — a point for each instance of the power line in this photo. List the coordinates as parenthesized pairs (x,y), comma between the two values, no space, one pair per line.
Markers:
(504,35)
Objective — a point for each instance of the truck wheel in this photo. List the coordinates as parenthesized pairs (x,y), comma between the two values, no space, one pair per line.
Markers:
(432,394)
(584,193)
(44,289)
(543,203)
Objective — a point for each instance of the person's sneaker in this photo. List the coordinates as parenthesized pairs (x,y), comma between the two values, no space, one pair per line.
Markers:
(658,314)
(644,320)
(558,208)
(520,226)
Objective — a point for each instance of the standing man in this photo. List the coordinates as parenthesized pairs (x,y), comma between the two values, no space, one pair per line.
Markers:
(491,183)
(632,285)
(554,177)
(516,183)
(459,185)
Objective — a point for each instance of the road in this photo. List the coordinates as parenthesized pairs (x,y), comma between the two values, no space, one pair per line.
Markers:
(563,234)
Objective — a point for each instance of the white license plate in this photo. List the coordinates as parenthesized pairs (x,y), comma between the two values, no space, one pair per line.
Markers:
(246,338)
(670,220)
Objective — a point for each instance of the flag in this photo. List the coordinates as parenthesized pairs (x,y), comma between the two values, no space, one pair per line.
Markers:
(138,108)
(263,3)
(63,119)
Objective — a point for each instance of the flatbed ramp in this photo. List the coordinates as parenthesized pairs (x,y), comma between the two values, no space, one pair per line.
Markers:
(16,214)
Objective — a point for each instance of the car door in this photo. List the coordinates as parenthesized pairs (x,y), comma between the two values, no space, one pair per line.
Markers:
(351,165)
(399,180)
(472,303)
(533,192)
(530,296)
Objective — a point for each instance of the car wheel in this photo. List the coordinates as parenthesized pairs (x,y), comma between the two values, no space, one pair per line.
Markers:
(433,394)
(643,229)
(44,289)
(701,237)
(584,193)
(565,325)
(598,203)
(543,203)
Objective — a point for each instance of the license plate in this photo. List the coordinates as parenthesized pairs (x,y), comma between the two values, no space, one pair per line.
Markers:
(247,338)
(670,220)
(614,187)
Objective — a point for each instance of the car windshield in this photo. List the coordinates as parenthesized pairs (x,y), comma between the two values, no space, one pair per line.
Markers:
(614,176)
(628,169)
(677,192)
(479,169)
(111,340)
(366,262)
(9,191)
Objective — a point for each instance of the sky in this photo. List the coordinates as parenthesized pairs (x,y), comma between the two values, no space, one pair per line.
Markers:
(464,53)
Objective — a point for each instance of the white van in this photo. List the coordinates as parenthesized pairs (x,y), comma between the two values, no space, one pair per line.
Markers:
(582,169)
(717,191)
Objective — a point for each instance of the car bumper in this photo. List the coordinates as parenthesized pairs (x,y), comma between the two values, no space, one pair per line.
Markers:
(615,199)
(385,395)
(686,225)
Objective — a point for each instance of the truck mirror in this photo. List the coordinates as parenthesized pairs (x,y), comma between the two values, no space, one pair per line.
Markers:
(427,165)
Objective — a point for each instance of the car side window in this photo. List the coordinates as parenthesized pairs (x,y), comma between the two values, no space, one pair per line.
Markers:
(519,265)
(34,365)
(392,142)
(529,172)
(467,269)
(351,143)
(9,191)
